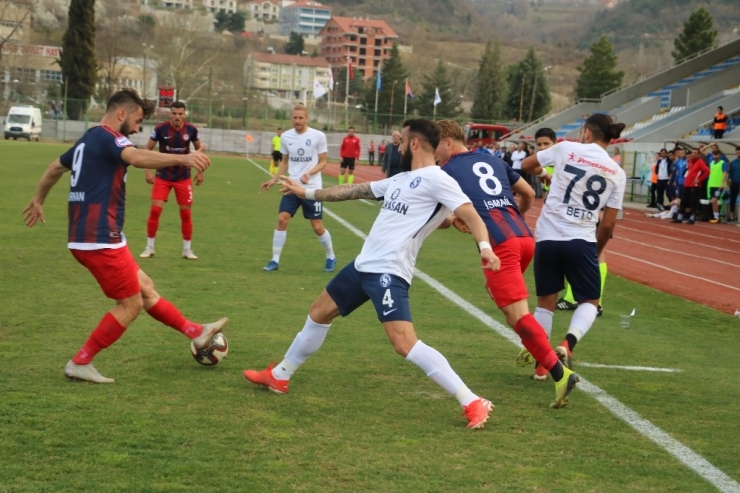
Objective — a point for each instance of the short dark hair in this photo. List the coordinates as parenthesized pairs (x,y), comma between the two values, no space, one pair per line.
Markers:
(720,108)
(130,99)
(603,128)
(179,105)
(546,132)
(351,128)
(424,130)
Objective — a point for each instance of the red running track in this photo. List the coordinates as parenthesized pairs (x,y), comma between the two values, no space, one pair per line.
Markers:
(700,262)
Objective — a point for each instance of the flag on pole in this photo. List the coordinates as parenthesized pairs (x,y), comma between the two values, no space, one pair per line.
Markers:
(437,98)
(318,89)
(377,82)
(331,79)
(350,72)
(409,94)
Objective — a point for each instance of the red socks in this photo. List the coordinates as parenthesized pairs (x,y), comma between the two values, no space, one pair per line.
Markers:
(152,224)
(535,340)
(165,312)
(187,224)
(108,331)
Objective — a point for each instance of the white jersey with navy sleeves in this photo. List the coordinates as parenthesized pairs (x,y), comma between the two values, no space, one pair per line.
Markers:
(584,181)
(303,153)
(415,204)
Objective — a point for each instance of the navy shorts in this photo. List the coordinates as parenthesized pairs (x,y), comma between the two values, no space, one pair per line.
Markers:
(574,260)
(312,209)
(350,289)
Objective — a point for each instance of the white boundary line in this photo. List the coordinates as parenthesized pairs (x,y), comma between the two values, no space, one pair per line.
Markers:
(684,454)
(679,252)
(611,252)
(629,368)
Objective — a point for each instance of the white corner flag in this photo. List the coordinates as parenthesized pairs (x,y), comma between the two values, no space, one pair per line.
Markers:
(318,89)
(437,98)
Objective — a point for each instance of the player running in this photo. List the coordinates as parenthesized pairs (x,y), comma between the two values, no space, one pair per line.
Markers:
(174,137)
(303,151)
(97,197)
(490,183)
(585,180)
(415,203)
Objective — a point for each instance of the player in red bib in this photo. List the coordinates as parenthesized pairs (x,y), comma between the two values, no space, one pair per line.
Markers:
(489,183)
(349,152)
(174,137)
(97,199)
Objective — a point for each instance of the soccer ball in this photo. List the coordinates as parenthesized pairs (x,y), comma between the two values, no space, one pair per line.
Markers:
(213,353)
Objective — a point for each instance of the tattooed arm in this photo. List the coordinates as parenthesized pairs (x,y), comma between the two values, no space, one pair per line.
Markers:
(332,194)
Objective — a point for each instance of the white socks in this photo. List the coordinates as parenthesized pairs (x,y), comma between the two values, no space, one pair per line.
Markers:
(185,245)
(150,243)
(583,319)
(439,370)
(325,241)
(307,342)
(278,241)
(544,318)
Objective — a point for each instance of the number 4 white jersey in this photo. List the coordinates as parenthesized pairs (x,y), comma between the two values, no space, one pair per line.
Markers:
(585,180)
(415,204)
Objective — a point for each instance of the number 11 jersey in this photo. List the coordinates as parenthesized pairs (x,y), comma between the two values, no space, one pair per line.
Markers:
(584,181)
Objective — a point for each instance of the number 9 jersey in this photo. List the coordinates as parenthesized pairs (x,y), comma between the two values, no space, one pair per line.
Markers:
(97,193)
(584,181)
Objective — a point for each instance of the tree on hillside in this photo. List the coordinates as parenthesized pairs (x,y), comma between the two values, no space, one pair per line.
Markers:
(78,57)
(528,97)
(111,42)
(356,84)
(437,80)
(491,85)
(697,35)
(392,93)
(221,21)
(237,21)
(598,74)
(295,44)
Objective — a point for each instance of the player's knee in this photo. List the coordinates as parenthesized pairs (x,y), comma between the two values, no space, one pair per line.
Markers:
(132,306)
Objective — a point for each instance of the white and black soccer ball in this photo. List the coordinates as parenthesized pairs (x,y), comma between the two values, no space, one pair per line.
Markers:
(213,353)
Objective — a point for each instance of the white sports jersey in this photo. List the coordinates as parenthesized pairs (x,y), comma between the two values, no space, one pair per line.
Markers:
(584,181)
(303,153)
(415,204)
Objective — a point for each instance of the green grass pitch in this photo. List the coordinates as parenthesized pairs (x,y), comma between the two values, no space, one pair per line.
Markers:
(358,417)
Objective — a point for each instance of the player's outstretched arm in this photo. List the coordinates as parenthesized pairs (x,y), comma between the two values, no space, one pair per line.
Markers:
(526,195)
(34,211)
(470,217)
(140,158)
(332,194)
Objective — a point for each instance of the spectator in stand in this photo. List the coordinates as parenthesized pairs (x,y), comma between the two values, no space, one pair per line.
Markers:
(497,151)
(664,169)
(678,173)
(507,155)
(618,157)
(519,155)
(733,182)
(696,173)
(480,147)
(371,153)
(720,123)
(381,152)
(391,164)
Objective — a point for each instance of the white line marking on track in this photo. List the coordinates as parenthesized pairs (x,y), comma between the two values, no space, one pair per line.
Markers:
(629,368)
(684,454)
(679,252)
(672,270)
(693,233)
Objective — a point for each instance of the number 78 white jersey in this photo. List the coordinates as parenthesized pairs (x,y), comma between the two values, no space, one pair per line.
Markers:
(584,181)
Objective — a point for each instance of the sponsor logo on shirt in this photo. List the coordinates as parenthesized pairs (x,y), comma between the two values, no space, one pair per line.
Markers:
(301,152)
(393,206)
(395,193)
(123,142)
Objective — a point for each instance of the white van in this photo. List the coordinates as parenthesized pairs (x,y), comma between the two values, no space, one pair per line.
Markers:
(24,122)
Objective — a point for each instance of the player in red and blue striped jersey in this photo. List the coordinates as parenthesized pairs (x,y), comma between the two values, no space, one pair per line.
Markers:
(97,198)
(490,184)
(174,137)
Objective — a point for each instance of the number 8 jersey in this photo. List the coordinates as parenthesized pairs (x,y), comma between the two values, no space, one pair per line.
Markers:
(97,193)
(584,181)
